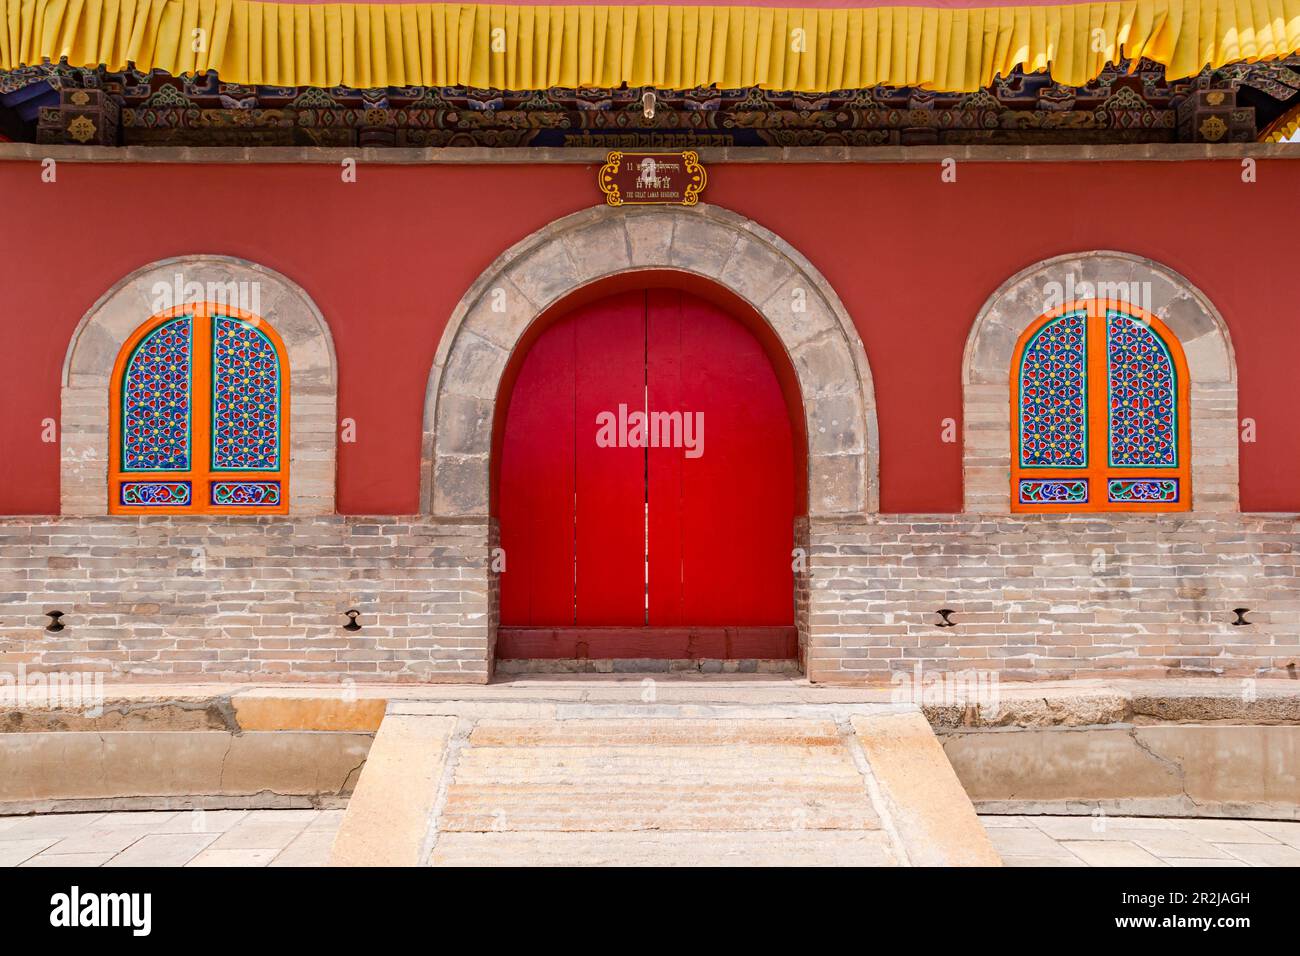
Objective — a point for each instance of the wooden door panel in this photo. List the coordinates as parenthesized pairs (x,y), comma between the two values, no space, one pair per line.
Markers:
(536,487)
(665,465)
(609,341)
(722,523)
(647,551)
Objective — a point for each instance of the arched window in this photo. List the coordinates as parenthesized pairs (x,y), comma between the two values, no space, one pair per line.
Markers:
(1100,413)
(199,416)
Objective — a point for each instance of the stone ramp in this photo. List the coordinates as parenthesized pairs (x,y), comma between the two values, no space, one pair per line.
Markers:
(526,782)
(630,791)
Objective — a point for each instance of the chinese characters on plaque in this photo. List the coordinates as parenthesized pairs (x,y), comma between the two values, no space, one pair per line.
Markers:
(642,179)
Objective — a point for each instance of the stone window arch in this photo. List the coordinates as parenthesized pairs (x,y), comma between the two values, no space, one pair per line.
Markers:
(1088,289)
(209,286)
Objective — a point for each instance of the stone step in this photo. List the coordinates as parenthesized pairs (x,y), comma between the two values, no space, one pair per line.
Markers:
(647,785)
(616,772)
(662,732)
(658,848)
(668,819)
(660,774)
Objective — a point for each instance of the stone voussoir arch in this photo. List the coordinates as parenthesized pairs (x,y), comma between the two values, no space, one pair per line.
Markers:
(104,329)
(1105,274)
(596,243)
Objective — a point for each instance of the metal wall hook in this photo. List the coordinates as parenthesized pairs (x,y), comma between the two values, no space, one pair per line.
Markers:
(352,624)
(943,613)
(1241,613)
(55,624)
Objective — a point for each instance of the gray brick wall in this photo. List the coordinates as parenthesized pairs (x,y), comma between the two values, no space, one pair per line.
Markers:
(247,598)
(1040,597)
(1036,597)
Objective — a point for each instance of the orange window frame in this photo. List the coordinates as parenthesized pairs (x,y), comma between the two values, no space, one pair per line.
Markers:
(200,474)
(1098,469)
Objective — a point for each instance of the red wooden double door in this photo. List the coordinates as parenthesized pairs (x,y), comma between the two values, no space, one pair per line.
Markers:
(646,488)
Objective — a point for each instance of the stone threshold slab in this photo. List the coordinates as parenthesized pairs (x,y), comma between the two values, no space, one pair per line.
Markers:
(697,710)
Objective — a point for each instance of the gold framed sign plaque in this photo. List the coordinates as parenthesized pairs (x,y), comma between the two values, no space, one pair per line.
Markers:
(651,179)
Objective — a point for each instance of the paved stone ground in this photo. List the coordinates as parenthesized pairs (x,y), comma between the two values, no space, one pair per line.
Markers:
(303,837)
(170,838)
(1143,841)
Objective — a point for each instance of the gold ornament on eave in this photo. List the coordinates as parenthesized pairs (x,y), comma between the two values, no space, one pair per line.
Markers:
(82,129)
(1213,129)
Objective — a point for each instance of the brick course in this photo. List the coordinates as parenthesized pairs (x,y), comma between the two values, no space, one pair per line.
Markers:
(236,598)
(1036,597)
(1040,597)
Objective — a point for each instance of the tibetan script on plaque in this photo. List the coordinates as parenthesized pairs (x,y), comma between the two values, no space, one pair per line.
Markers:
(641,179)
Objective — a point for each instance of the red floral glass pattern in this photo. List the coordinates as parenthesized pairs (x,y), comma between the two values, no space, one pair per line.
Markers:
(1099,376)
(199,416)
(1053,385)
(156,408)
(1142,394)
(245,398)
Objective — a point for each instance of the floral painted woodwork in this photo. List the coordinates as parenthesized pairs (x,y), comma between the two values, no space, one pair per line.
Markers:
(198,421)
(1099,375)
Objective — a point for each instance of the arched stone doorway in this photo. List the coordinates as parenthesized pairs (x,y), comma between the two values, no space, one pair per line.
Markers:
(762,271)
(710,242)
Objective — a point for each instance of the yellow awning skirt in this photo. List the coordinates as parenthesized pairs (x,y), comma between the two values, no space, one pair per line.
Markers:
(1283,128)
(669,47)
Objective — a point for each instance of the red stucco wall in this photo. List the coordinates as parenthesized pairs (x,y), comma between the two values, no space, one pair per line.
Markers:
(387,258)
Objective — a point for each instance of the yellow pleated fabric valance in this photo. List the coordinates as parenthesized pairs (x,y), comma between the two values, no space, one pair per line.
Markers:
(1283,128)
(670,47)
